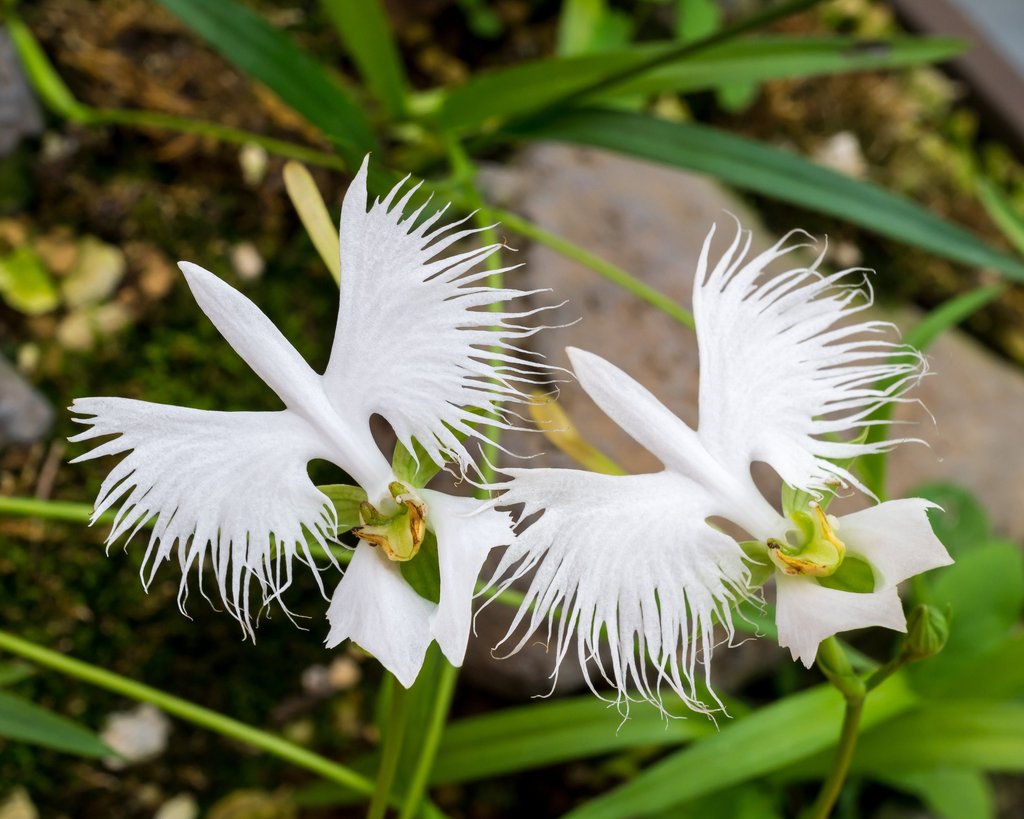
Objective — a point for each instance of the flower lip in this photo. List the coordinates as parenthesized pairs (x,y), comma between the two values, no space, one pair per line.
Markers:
(399,533)
(818,553)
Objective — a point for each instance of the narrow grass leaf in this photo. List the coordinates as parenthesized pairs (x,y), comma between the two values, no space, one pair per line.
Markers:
(765,741)
(23,721)
(266,54)
(774,173)
(1008,218)
(522,89)
(315,217)
(363,28)
(546,733)
(949,793)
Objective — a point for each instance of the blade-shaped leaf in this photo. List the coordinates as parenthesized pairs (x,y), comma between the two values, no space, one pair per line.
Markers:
(767,740)
(363,28)
(985,590)
(254,46)
(546,733)
(773,172)
(1007,217)
(525,88)
(948,793)
(23,721)
(981,735)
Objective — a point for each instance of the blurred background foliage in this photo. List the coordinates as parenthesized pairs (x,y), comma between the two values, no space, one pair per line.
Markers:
(165,132)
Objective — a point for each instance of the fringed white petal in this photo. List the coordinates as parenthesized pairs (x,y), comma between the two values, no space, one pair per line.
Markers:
(415,341)
(807,613)
(781,365)
(375,607)
(628,558)
(466,533)
(223,489)
(895,538)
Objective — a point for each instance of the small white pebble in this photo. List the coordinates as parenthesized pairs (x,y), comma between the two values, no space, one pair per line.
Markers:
(246,261)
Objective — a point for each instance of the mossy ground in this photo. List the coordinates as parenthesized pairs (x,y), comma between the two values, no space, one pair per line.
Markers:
(188,199)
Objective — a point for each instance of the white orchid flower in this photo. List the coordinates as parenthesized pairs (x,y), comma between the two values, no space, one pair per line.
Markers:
(637,558)
(230,491)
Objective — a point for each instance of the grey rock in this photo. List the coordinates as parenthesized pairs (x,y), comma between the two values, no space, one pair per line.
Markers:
(25,416)
(19,113)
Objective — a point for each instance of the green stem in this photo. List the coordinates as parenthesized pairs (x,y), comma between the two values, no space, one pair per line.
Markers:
(391,752)
(224,133)
(833,784)
(50,510)
(484,217)
(613,273)
(835,665)
(428,751)
(81,512)
(188,711)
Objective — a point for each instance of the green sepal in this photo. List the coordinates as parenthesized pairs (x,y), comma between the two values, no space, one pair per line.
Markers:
(423,572)
(347,500)
(414,470)
(761,567)
(853,575)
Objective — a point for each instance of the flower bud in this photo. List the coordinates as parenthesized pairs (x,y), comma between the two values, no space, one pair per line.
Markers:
(927,632)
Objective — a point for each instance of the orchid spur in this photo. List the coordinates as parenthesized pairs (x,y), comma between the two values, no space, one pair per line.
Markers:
(786,378)
(229,491)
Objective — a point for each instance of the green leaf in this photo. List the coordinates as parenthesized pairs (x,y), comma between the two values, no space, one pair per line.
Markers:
(872,468)
(23,721)
(747,802)
(364,29)
(590,27)
(414,470)
(974,734)
(696,19)
(549,732)
(962,523)
(526,88)
(775,173)
(951,313)
(996,674)
(15,672)
(768,739)
(25,283)
(1007,217)
(346,500)
(985,590)
(949,793)
(255,47)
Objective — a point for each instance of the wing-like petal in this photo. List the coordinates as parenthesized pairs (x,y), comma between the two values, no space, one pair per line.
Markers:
(228,489)
(655,427)
(806,613)
(630,557)
(375,607)
(466,533)
(416,341)
(254,337)
(781,365)
(896,538)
